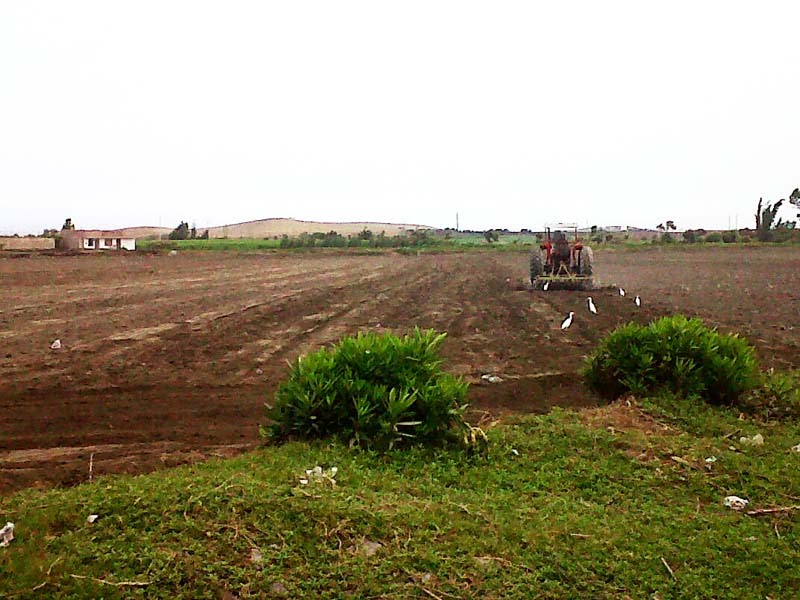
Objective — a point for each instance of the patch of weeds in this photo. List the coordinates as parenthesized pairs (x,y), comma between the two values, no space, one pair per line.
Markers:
(778,396)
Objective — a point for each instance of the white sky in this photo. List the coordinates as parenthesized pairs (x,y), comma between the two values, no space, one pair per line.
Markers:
(511,113)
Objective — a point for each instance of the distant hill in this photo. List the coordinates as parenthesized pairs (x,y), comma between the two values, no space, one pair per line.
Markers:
(267,228)
(144,232)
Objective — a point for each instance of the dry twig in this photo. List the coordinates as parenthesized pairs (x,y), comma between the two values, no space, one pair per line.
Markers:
(771,511)
(668,568)
(431,594)
(114,583)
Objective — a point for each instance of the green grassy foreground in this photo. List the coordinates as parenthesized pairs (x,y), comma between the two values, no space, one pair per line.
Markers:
(610,503)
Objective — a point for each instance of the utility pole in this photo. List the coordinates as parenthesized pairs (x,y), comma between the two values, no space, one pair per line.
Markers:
(456,221)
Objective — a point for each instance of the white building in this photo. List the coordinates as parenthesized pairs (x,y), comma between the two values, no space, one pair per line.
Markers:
(84,239)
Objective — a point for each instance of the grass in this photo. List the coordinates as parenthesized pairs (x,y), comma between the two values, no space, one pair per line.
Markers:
(215,244)
(570,504)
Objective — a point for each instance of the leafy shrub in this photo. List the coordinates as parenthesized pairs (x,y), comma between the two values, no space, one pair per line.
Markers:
(714,236)
(374,390)
(673,354)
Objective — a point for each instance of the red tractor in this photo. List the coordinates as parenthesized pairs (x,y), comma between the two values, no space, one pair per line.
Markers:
(560,263)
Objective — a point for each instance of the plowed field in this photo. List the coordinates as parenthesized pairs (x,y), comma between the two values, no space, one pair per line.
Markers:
(169,359)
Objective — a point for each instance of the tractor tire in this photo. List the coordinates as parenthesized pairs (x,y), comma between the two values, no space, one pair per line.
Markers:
(537,265)
(587,262)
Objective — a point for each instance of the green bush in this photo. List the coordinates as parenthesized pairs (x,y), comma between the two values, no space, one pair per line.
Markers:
(673,354)
(374,390)
(730,237)
(714,237)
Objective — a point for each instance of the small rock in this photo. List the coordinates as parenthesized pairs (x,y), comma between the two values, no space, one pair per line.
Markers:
(366,549)
(756,440)
(736,503)
(278,589)
(92,518)
(256,556)
(56,345)
(6,534)
(491,378)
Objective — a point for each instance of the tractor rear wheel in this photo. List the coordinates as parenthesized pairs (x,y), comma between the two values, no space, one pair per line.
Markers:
(537,265)
(587,261)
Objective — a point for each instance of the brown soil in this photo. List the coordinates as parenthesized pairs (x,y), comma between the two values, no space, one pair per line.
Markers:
(169,359)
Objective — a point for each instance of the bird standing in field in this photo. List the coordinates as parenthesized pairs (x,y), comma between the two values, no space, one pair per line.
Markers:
(592,307)
(621,292)
(568,321)
(546,285)
(637,300)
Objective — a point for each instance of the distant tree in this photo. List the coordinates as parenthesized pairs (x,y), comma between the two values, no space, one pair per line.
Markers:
(181,232)
(794,199)
(68,225)
(204,235)
(193,232)
(365,234)
(491,236)
(661,227)
(671,225)
(594,229)
(765,219)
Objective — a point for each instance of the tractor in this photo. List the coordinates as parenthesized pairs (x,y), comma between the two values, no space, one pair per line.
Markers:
(561,263)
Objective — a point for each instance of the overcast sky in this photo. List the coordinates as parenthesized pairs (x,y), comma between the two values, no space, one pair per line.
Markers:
(509,113)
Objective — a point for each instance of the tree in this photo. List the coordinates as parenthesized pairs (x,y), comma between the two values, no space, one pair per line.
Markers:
(181,232)
(68,224)
(491,236)
(765,219)
(794,199)
(671,225)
